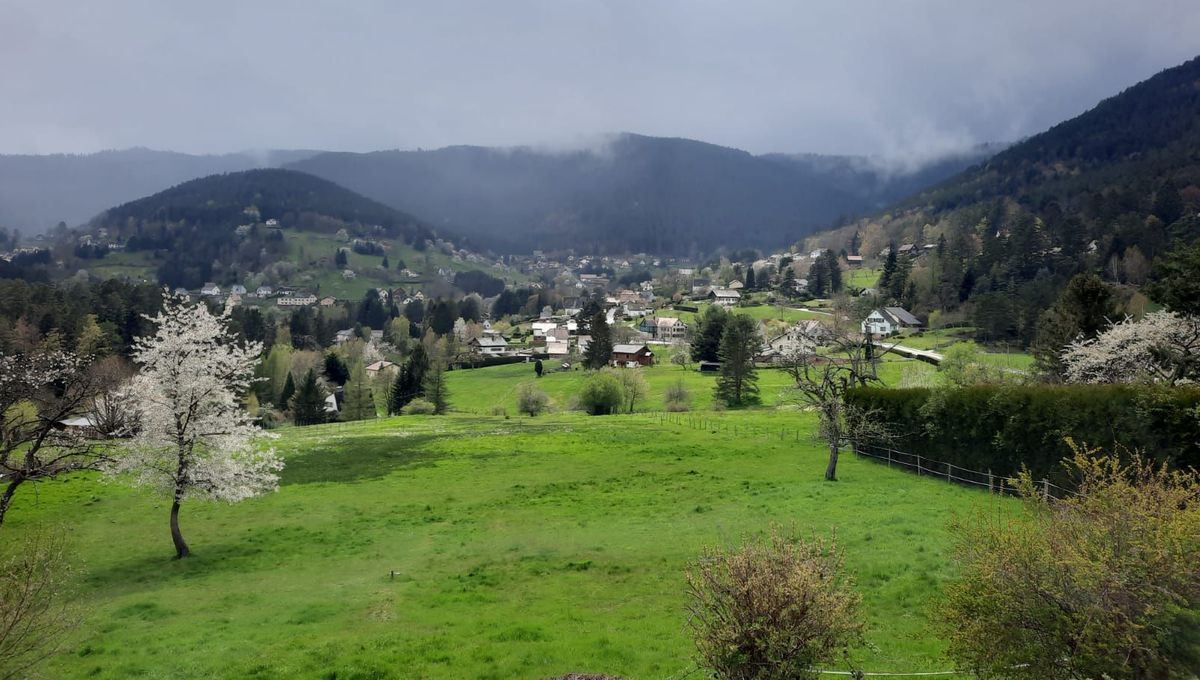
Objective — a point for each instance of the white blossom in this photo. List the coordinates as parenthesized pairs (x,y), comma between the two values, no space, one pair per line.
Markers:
(194,439)
(1160,347)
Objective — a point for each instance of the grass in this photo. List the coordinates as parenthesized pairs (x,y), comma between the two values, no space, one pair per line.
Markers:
(522,547)
(480,390)
(860,278)
(763,312)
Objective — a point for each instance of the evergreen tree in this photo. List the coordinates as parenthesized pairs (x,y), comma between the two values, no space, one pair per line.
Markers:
(706,341)
(335,368)
(889,268)
(750,282)
(740,343)
(434,384)
(308,404)
(1168,204)
(285,394)
(385,262)
(358,403)
(855,242)
(410,380)
(1086,307)
(599,350)
(340,258)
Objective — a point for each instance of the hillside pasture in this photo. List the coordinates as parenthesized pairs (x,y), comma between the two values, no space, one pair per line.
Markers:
(485,547)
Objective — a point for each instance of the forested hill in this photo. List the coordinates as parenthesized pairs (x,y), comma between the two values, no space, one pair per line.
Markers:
(635,193)
(38,192)
(225,227)
(1105,192)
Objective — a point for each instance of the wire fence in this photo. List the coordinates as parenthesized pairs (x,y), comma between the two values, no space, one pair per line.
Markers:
(701,421)
(924,466)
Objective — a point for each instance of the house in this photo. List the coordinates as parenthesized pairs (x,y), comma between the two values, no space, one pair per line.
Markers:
(348,274)
(700,285)
(328,301)
(638,308)
(724,297)
(631,356)
(331,404)
(237,289)
(182,292)
(908,249)
(888,320)
(801,337)
(263,291)
(233,300)
(298,300)
(343,335)
(210,288)
(382,367)
(491,345)
(735,285)
(854,261)
(541,327)
(816,253)
(376,337)
(664,328)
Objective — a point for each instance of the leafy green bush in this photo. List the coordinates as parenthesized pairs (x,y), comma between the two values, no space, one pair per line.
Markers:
(419,407)
(602,394)
(1002,427)
(531,400)
(677,397)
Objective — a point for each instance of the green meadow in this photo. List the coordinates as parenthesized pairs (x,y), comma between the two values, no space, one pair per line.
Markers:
(521,547)
(486,546)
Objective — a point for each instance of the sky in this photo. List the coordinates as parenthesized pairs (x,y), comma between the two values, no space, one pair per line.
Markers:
(906,79)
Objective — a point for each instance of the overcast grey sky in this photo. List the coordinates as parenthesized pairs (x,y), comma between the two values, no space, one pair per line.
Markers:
(890,77)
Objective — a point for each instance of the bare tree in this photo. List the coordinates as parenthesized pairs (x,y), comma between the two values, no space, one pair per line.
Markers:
(38,392)
(821,382)
(35,614)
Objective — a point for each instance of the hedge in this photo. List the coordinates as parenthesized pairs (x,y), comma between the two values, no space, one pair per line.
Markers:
(999,428)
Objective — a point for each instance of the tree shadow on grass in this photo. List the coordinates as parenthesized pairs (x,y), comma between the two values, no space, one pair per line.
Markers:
(353,459)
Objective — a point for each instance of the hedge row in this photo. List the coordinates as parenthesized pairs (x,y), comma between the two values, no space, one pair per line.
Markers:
(999,428)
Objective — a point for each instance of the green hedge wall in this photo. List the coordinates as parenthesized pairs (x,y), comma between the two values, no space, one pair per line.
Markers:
(1002,427)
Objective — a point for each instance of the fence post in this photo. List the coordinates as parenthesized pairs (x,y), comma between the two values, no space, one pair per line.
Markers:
(949,471)
(1046,489)
(990,483)
(889,457)
(918,465)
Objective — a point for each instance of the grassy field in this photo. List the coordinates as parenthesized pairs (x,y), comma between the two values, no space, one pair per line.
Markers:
(860,278)
(762,312)
(522,548)
(480,390)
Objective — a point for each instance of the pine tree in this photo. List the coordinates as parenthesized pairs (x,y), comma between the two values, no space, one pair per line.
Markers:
(706,342)
(889,268)
(750,282)
(740,343)
(285,394)
(599,350)
(410,381)
(358,403)
(434,384)
(340,258)
(385,262)
(308,404)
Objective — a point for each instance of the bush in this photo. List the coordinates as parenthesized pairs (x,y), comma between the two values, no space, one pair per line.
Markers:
(773,609)
(1003,427)
(498,410)
(419,407)
(602,394)
(1099,584)
(677,397)
(531,400)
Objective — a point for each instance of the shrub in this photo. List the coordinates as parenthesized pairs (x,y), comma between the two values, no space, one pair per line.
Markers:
(602,394)
(36,616)
(1099,584)
(499,410)
(531,400)
(419,407)
(677,397)
(773,609)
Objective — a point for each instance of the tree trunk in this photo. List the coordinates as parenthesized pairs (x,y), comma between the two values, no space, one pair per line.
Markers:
(6,499)
(831,469)
(181,547)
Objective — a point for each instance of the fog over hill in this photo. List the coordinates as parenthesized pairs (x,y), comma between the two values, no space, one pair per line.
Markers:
(631,193)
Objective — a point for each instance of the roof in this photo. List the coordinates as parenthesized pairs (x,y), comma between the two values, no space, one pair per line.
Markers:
(629,349)
(901,314)
(666,321)
(380,365)
(725,292)
(494,341)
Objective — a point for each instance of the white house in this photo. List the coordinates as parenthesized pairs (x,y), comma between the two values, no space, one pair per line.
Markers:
(210,288)
(724,297)
(664,328)
(298,300)
(489,345)
(237,289)
(887,320)
(263,291)
(802,336)
(382,367)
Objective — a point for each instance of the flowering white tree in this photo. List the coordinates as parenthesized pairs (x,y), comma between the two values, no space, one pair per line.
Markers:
(38,392)
(1160,347)
(195,440)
